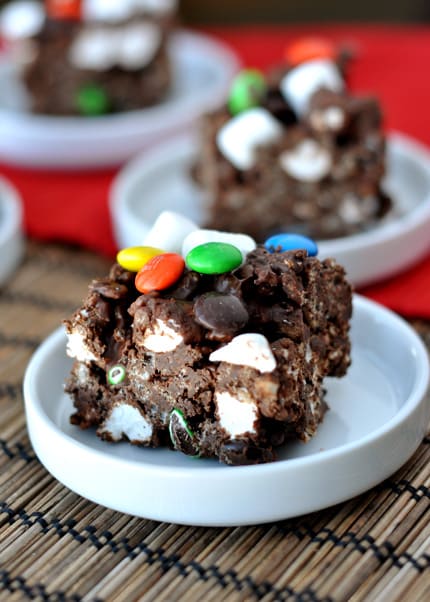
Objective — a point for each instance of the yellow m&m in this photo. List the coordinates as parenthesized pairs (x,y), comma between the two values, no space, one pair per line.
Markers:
(134,258)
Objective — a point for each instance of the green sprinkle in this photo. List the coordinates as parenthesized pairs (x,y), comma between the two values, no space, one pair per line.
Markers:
(116,375)
(92,100)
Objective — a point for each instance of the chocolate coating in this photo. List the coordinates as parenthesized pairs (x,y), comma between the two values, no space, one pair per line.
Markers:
(223,314)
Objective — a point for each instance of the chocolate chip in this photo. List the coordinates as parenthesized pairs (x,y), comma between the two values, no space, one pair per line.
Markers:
(223,314)
(242,452)
(108,289)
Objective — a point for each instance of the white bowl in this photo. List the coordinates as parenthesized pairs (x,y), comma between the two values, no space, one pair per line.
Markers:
(160,180)
(202,71)
(11,237)
(378,416)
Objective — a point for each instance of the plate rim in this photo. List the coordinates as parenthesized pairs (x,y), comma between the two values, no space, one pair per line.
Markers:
(11,232)
(420,387)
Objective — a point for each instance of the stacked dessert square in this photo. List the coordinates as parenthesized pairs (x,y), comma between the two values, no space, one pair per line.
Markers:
(295,150)
(211,345)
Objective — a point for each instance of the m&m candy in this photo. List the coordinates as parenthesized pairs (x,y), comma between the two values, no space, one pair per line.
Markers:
(159,273)
(308,49)
(181,435)
(214,258)
(246,91)
(291,242)
(92,101)
(64,9)
(116,375)
(134,258)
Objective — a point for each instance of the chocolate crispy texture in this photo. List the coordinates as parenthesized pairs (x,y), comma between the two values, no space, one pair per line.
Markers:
(302,307)
(53,82)
(265,199)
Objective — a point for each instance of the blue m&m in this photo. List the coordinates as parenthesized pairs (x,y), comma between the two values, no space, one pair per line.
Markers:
(291,242)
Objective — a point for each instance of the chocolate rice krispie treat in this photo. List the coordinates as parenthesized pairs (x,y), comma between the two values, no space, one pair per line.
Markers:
(214,347)
(91,57)
(295,150)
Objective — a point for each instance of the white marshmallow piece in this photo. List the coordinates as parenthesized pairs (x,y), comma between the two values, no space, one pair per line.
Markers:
(139,43)
(115,11)
(162,338)
(238,139)
(235,416)
(101,48)
(95,49)
(299,84)
(249,349)
(331,118)
(21,19)
(77,348)
(308,161)
(125,419)
(243,242)
(169,231)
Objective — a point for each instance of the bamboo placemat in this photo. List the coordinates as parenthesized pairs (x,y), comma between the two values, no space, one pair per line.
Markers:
(55,546)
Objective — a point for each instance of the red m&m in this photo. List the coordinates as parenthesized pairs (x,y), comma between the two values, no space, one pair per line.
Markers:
(308,49)
(64,9)
(160,272)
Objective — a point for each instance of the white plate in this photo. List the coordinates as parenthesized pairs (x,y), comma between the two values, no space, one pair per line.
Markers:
(378,416)
(202,70)
(11,237)
(159,180)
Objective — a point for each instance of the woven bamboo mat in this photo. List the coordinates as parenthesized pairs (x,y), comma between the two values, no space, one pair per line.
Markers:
(56,546)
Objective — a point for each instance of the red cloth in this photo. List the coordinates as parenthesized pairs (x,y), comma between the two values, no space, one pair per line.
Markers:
(391,62)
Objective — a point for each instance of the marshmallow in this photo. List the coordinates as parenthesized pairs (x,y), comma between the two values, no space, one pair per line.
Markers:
(239,137)
(243,242)
(299,84)
(115,11)
(236,416)
(126,420)
(21,19)
(161,338)
(130,47)
(249,349)
(308,161)
(169,231)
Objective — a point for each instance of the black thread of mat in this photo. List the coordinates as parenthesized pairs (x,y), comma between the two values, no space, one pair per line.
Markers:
(37,301)
(10,390)
(64,265)
(383,552)
(159,556)
(16,450)
(13,341)
(18,583)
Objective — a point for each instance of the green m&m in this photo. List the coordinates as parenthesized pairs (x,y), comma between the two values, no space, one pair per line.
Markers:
(181,435)
(214,258)
(247,90)
(116,375)
(92,100)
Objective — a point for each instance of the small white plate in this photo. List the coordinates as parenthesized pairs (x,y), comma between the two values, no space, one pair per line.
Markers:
(160,180)
(202,72)
(11,237)
(378,416)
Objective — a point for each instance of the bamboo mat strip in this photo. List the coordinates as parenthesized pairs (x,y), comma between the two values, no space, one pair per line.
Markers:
(58,547)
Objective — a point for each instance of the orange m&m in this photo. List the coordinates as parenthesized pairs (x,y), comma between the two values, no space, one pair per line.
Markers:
(64,9)
(160,272)
(308,49)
